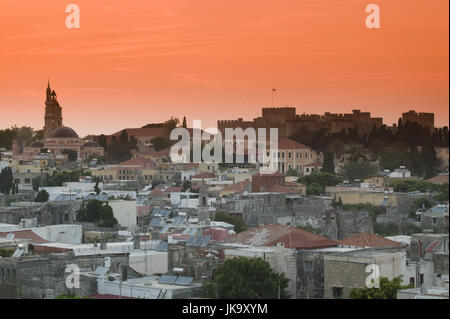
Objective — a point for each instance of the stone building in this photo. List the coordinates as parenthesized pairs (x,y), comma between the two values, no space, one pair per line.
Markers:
(292,209)
(424,119)
(288,122)
(50,213)
(37,277)
(194,261)
(57,138)
(344,271)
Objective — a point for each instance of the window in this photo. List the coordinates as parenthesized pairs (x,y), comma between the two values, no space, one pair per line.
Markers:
(421,279)
(338,292)
(308,265)
(434,220)
(289,155)
(411,281)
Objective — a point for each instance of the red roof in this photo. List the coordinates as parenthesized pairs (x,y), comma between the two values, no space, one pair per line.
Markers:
(138,161)
(157,192)
(238,187)
(438,179)
(291,237)
(217,233)
(204,175)
(432,247)
(314,164)
(273,174)
(25,234)
(368,240)
(173,189)
(287,144)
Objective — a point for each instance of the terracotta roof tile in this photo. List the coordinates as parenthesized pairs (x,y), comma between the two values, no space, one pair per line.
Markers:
(368,240)
(438,179)
(25,234)
(173,189)
(291,237)
(288,144)
(238,187)
(314,164)
(204,175)
(157,192)
(432,246)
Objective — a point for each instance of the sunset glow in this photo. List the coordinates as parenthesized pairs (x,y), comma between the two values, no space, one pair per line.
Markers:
(211,60)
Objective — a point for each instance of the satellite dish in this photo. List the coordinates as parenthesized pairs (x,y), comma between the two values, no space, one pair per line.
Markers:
(245,193)
(10,236)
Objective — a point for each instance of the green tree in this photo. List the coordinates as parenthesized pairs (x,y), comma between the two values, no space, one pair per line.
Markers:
(42,196)
(186,185)
(387,290)
(6,180)
(316,182)
(159,143)
(394,156)
(359,170)
(96,188)
(247,278)
(239,224)
(36,182)
(71,154)
(102,141)
(97,212)
(315,189)
(172,123)
(291,172)
(328,163)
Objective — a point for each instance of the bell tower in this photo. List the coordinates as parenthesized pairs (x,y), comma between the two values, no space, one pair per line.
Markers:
(53,112)
(203,208)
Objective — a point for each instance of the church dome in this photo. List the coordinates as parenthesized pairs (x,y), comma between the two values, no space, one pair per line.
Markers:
(36,144)
(91,144)
(63,132)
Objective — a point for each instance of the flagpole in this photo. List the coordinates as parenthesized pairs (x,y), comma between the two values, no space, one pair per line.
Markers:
(273,90)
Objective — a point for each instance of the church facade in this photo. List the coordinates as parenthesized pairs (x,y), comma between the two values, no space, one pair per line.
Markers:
(59,139)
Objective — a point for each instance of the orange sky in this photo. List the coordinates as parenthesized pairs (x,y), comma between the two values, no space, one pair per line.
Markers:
(140,61)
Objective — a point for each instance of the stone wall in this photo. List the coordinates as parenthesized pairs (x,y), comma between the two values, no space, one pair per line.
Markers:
(31,277)
(441,265)
(310,275)
(50,213)
(281,209)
